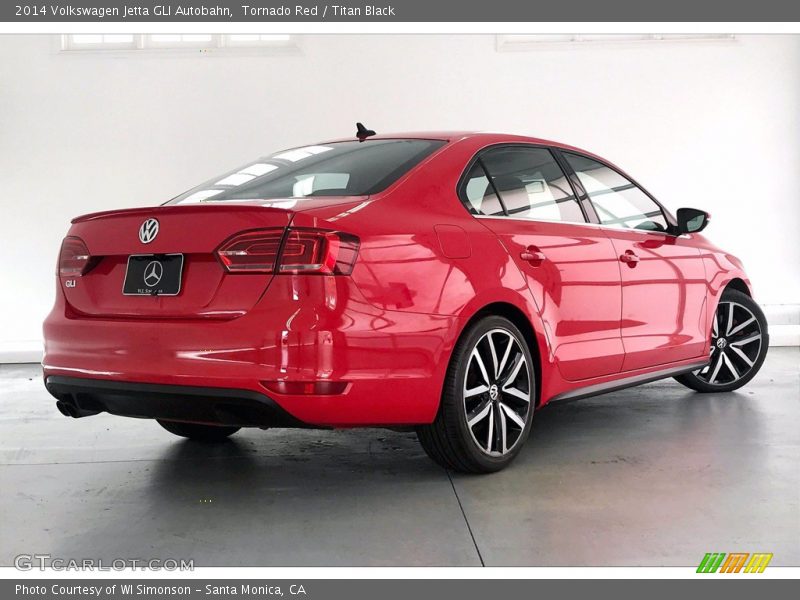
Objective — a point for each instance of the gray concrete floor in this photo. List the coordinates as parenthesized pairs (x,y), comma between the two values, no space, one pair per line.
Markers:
(655,475)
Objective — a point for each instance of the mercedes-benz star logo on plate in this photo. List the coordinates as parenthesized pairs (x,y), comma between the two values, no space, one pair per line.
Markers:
(148,231)
(153,273)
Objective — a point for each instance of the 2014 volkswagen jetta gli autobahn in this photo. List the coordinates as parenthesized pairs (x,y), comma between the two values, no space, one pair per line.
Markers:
(450,282)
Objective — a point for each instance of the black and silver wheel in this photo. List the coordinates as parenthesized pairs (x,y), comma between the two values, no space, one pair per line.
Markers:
(739,342)
(196,431)
(487,406)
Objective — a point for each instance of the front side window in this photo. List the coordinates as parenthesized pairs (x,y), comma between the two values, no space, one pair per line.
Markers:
(617,200)
(531,185)
(337,169)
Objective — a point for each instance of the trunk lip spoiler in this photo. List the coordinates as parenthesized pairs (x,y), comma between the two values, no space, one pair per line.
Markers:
(226,206)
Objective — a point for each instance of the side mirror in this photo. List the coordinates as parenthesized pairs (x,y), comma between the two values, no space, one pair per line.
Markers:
(692,220)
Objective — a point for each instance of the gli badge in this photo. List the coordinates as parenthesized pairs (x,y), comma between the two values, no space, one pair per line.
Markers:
(148,231)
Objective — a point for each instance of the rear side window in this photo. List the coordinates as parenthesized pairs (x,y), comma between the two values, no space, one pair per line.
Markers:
(530,183)
(479,193)
(338,169)
(617,200)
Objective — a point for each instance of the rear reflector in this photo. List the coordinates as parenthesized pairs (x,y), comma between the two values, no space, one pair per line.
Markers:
(310,251)
(74,259)
(307,388)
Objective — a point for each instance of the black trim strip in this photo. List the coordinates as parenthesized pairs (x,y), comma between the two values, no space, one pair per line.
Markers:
(245,408)
(581,196)
(479,162)
(621,384)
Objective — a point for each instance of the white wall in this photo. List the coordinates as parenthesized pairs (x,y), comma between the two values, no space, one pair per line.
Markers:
(708,124)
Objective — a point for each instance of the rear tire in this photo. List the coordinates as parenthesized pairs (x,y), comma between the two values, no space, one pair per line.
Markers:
(739,342)
(487,405)
(201,433)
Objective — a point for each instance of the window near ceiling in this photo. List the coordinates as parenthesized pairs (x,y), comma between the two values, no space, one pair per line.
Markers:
(256,39)
(539,41)
(180,40)
(176,41)
(98,41)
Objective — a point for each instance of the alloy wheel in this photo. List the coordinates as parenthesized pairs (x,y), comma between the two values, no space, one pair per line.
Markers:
(497,392)
(736,339)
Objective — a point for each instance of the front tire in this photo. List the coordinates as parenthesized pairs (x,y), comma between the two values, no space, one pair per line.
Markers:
(201,433)
(739,342)
(487,405)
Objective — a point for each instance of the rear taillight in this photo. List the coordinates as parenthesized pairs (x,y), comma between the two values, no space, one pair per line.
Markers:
(251,252)
(318,251)
(74,259)
(300,250)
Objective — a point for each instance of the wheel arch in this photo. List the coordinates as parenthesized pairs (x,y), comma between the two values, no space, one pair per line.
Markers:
(739,285)
(735,283)
(518,317)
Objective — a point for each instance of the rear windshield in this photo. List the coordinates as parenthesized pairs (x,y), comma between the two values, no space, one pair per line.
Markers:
(338,169)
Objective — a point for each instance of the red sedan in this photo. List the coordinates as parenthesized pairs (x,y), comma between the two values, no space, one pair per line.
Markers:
(450,282)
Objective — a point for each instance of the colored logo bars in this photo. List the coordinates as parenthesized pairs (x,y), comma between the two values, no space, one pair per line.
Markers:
(735,562)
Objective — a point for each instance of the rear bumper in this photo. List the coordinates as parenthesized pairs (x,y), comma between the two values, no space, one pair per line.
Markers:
(303,330)
(218,406)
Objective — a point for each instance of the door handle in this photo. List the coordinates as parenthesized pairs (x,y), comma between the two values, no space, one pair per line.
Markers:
(629,258)
(532,255)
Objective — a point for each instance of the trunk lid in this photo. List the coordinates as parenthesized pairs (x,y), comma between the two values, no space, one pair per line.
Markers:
(195,231)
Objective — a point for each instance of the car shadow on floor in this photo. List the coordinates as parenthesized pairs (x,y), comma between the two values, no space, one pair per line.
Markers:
(251,501)
(301,497)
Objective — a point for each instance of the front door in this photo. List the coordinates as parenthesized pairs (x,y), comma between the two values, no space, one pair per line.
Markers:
(663,279)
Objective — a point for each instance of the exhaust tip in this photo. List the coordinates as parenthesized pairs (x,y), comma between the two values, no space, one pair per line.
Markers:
(66,409)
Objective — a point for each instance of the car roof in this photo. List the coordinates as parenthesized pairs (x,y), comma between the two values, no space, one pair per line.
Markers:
(485,137)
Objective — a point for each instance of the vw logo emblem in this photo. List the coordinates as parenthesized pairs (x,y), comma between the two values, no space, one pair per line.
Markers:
(153,273)
(721,343)
(494,392)
(148,231)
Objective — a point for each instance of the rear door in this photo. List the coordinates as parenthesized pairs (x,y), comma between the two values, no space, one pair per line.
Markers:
(521,194)
(663,278)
